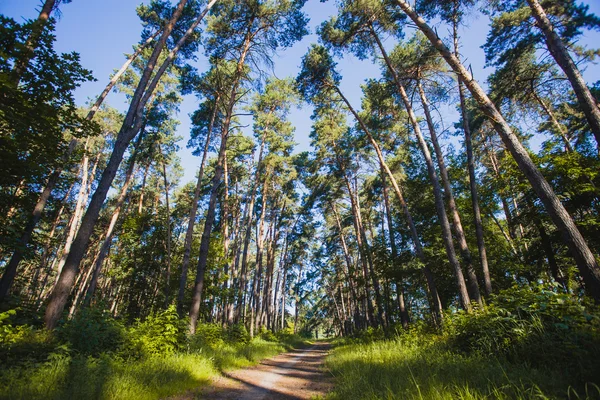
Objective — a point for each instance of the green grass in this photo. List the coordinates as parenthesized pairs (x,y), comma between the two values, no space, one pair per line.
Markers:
(424,368)
(111,377)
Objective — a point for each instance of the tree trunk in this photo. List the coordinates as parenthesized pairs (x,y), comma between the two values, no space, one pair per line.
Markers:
(32,41)
(404,318)
(585,259)
(374,281)
(77,212)
(11,268)
(465,301)
(102,253)
(459,233)
(248,218)
(361,251)
(216,182)
(254,311)
(47,247)
(348,270)
(471,166)
(563,59)
(436,304)
(168,225)
(61,292)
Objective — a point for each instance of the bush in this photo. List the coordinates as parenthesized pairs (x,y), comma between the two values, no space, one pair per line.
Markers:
(238,334)
(161,333)
(267,335)
(23,343)
(92,332)
(208,335)
(537,326)
(290,339)
(520,317)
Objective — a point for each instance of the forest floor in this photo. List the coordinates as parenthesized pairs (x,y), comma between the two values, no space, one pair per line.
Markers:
(296,375)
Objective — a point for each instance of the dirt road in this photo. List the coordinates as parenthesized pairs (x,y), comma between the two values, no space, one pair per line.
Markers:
(291,376)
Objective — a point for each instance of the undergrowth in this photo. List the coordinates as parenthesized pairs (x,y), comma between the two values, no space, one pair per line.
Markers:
(526,344)
(96,357)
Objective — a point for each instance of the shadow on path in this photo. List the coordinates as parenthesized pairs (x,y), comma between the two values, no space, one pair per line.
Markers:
(297,375)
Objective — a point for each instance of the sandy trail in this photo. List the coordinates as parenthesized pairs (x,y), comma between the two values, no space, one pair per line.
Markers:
(291,376)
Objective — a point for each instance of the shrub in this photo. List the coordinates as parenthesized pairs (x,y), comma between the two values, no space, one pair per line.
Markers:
(23,343)
(370,335)
(536,325)
(290,339)
(267,335)
(237,334)
(93,331)
(161,333)
(210,335)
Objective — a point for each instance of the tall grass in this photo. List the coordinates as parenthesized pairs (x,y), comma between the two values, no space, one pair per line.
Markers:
(528,343)
(96,357)
(111,377)
(423,369)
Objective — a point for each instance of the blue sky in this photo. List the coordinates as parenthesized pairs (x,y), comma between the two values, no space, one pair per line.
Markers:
(102,31)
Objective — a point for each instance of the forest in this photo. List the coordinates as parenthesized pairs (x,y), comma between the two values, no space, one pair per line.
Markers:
(437,236)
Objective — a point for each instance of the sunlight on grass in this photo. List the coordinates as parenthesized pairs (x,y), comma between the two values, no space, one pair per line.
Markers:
(423,369)
(110,377)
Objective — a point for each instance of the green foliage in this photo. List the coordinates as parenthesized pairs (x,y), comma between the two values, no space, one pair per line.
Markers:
(22,344)
(535,325)
(370,334)
(238,333)
(290,339)
(210,335)
(160,334)
(267,335)
(528,343)
(38,115)
(99,358)
(8,333)
(92,332)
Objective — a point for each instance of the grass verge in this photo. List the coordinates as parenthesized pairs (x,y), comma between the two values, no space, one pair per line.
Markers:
(112,377)
(425,368)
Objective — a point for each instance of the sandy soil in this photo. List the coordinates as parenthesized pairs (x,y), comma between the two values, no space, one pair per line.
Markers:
(291,376)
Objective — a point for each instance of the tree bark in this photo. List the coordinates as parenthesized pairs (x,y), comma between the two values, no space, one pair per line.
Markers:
(471,166)
(168,225)
(254,311)
(77,212)
(103,252)
(436,305)
(362,252)
(404,318)
(247,224)
(348,270)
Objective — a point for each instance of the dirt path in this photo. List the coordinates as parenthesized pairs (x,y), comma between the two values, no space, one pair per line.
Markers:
(291,376)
